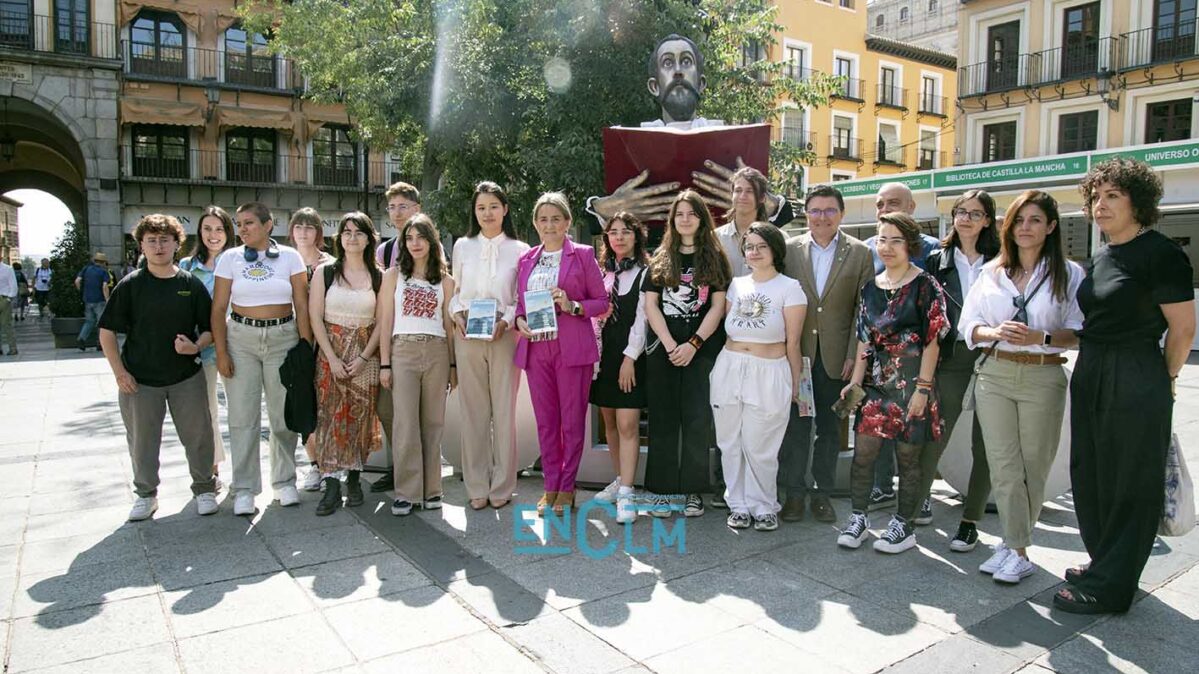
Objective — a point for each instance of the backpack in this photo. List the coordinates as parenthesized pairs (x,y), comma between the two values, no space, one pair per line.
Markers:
(328,275)
(388,249)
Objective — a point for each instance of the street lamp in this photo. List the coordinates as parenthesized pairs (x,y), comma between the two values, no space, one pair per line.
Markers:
(1103,85)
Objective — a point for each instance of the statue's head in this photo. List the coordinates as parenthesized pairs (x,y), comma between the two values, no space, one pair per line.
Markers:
(676,77)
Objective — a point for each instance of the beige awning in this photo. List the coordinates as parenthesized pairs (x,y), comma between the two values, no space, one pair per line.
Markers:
(255,118)
(151,111)
(188,13)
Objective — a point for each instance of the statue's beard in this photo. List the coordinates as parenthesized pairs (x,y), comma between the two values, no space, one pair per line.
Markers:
(680,101)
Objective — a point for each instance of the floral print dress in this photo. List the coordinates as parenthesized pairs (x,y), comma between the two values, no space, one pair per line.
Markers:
(896,325)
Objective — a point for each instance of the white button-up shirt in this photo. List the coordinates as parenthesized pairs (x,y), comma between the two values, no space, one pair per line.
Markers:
(8,281)
(486,269)
(822,262)
(968,273)
(990,303)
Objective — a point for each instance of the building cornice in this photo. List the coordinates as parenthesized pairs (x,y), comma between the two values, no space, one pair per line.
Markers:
(884,45)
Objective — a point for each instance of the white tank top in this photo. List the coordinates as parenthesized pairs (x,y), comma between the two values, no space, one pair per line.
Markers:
(348,307)
(418,308)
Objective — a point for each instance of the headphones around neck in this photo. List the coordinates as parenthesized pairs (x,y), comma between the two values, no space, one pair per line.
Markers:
(272,252)
(625,264)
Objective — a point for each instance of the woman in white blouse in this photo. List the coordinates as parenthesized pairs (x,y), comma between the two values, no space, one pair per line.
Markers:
(1023,313)
(485,264)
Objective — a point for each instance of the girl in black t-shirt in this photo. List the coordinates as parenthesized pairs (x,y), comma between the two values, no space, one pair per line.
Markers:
(688,275)
(1139,285)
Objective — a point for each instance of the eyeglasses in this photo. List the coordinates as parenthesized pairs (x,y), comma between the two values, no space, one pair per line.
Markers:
(399,208)
(620,232)
(353,234)
(975,216)
(823,212)
(158,243)
(756,248)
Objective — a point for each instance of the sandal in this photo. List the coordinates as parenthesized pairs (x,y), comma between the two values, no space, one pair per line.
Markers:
(499,503)
(564,500)
(546,501)
(1072,600)
(1074,573)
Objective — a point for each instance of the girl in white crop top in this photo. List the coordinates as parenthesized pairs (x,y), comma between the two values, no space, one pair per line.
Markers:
(755,377)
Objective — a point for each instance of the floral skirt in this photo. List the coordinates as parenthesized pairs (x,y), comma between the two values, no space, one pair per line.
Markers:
(347,426)
(884,413)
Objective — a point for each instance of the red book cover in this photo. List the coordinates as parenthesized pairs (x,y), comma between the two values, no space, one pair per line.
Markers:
(671,155)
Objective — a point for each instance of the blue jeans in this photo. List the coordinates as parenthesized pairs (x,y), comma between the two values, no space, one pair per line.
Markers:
(91,318)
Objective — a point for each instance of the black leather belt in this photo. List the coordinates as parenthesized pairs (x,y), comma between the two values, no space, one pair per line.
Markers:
(261,322)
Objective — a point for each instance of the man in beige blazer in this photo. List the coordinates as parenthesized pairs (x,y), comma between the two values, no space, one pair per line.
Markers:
(832,267)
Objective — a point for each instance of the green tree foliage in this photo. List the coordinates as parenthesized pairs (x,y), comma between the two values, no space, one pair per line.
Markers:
(69,256)
(517,91)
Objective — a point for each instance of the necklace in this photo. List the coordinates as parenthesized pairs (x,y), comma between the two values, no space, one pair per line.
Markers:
(894,286)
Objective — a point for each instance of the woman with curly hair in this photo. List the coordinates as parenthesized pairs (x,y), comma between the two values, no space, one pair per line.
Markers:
(619,386)
(900,324)
(684,305)
(1139,286)
(1022,312)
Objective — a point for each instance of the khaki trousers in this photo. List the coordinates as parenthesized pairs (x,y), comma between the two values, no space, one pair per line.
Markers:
(1020,409)
(144,412)
(487,385)
(420,373)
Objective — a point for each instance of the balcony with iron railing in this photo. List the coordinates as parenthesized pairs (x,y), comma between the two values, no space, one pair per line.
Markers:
(843,146)
(799,138)
(927,160)
(1076,61)
(890,96)
(889,154)
(850,89)
(797,73)
(157,62)
(191,165)
(64,35)
(1002,74)
(931,104)
(1160,44)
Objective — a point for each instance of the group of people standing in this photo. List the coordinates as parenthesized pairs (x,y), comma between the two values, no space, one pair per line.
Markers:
(733,337)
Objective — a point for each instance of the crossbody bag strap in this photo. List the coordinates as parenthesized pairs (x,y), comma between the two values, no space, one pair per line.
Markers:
(987,353)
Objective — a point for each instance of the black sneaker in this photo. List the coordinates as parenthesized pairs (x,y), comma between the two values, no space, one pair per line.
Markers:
(966,538)
(925,516)
(401,508)
(694,506)
(739,520)
(855,531)
(718,498)
(384,483)
(881,499)
(899,537)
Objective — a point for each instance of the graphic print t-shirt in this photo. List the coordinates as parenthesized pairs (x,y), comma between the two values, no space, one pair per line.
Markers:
(261,282)
(756,309)
(687,300)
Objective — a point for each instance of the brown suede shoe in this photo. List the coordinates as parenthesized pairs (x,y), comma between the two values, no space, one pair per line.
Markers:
(565,498)
(822,510)
(792,510)
(547,499)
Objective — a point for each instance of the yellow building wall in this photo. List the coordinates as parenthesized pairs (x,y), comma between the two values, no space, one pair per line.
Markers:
(826,29)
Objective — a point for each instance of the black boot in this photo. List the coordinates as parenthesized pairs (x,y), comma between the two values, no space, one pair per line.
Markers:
(353,490)
(331,500)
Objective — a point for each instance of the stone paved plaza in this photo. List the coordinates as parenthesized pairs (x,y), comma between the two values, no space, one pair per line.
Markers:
(81,590)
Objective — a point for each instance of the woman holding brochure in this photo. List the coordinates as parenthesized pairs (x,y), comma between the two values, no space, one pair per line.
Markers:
(485,262)
(418,367)
(560,290)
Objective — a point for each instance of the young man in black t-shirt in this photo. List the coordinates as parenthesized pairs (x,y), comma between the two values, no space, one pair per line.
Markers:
(164,313)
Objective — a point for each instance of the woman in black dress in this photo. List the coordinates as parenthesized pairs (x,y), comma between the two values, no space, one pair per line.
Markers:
(1140,284)
(900,324)
(619,387)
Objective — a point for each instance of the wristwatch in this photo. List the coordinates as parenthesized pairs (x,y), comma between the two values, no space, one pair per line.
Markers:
(1048,338)
(576,309)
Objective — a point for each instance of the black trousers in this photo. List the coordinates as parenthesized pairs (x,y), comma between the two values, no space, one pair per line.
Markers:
(1120,416)
(681,431)
(797,445)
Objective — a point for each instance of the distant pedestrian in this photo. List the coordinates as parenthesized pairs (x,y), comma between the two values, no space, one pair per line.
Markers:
(8,297)
(22,292)
(305,231)
(164,313)
(94,282)
(41,287)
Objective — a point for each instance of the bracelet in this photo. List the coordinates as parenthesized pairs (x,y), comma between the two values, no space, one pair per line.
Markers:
(924,391)
(923,382)
(696,341)
(385,367)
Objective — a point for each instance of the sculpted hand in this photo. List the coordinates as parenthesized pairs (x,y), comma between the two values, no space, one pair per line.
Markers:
(717,188)
(647,203)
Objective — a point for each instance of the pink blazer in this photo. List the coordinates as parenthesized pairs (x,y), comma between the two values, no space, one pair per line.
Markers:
(579,275)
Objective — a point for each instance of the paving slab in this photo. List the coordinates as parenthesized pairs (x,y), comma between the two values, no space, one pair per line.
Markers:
(958,653)
(156,659)
(399,622)
(234,603)
(563,645)
(43,593)
(349,580)
(746,648)
(299,644)
(77,551)
(67,636)
(478,652)
(307,548)
(188,566)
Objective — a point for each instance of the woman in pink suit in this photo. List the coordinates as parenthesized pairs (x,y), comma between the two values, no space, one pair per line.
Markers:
(559,365)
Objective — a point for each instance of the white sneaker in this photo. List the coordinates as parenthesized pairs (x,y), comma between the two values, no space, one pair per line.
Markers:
(243,503)
(608,494)
(1014,569)
(287,496)
(625,511)
(855,531)
(311,481)
(206,504)
(995,562)
(143,508)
